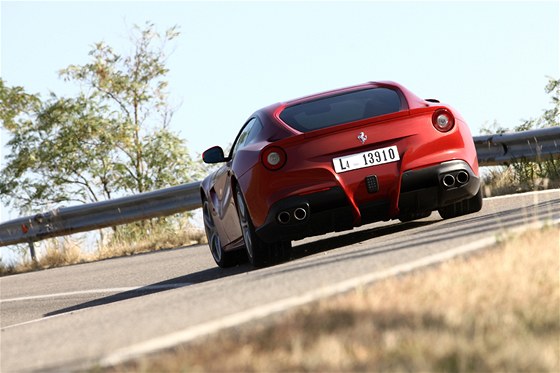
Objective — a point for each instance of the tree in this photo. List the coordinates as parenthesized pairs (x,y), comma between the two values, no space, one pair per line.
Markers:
(112,139)
(551,116)
(520,175)
(59,153)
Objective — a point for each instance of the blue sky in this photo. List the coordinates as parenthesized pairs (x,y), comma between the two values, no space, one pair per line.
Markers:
(487,59)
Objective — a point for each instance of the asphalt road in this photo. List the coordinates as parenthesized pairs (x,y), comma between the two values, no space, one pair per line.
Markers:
(74,317)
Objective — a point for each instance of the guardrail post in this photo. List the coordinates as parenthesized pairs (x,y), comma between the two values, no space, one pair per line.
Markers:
(32,251)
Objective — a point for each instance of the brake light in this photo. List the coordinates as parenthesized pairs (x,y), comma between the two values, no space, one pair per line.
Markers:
(273,158)
(443,120)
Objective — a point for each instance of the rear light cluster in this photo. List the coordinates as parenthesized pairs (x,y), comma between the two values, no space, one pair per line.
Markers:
(273,158)
(443,120)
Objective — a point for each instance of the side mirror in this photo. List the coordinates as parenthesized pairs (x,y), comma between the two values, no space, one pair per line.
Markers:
(214,155)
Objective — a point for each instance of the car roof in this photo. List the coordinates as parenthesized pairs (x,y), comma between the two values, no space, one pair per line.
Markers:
(273,111)
(338,91)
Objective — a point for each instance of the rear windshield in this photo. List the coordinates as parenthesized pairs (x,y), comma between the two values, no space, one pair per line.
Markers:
(344,108)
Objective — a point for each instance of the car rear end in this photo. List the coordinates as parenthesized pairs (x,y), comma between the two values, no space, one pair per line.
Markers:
(367,153)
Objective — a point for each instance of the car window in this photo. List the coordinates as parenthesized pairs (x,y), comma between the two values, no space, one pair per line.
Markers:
(247,134)
(344,108)
(254,131)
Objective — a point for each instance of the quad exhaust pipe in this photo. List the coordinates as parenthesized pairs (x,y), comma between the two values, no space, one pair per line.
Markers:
(299,214)
(462,177)
(284,217)
(448,181)
(456,178)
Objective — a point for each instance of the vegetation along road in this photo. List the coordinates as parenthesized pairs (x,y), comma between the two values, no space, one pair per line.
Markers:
(81,316)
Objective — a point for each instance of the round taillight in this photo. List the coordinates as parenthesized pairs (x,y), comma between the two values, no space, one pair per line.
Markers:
(274,158)
(443,120)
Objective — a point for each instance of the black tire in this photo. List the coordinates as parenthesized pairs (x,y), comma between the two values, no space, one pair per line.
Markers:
(468,206)
(224,259)
(414,216)
(260,253)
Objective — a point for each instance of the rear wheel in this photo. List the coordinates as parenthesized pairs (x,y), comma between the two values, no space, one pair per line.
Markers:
(260,253)
(468,206)
(222,258)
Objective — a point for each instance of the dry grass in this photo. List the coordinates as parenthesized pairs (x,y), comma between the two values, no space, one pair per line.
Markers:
(498,310)
(520,178)
(58,252)
(65,251)
(152,242)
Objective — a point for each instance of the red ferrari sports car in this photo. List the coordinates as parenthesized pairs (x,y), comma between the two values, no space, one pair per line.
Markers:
(334,161)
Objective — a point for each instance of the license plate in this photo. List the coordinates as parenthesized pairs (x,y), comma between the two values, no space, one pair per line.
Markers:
(366,159)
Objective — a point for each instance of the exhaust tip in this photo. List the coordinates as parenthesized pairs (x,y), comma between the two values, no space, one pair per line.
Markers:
(283,217)
(448,181)
(462,177)
(300,213)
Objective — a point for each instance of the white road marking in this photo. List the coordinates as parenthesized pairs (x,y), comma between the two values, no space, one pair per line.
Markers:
(85,292)
(38,320)
(548,191)
(97,291)
(191,333)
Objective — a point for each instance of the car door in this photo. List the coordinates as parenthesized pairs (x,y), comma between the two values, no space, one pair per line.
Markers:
(226,208)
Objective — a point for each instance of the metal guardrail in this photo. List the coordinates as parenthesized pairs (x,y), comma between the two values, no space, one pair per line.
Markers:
(535,145)
(87,217)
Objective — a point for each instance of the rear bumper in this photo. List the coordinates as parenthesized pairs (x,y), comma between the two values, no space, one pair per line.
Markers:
(325,211)
(430,188)
(422,190)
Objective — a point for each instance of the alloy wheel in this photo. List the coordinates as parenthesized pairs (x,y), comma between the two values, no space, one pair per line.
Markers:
(211,234)
(245,224)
